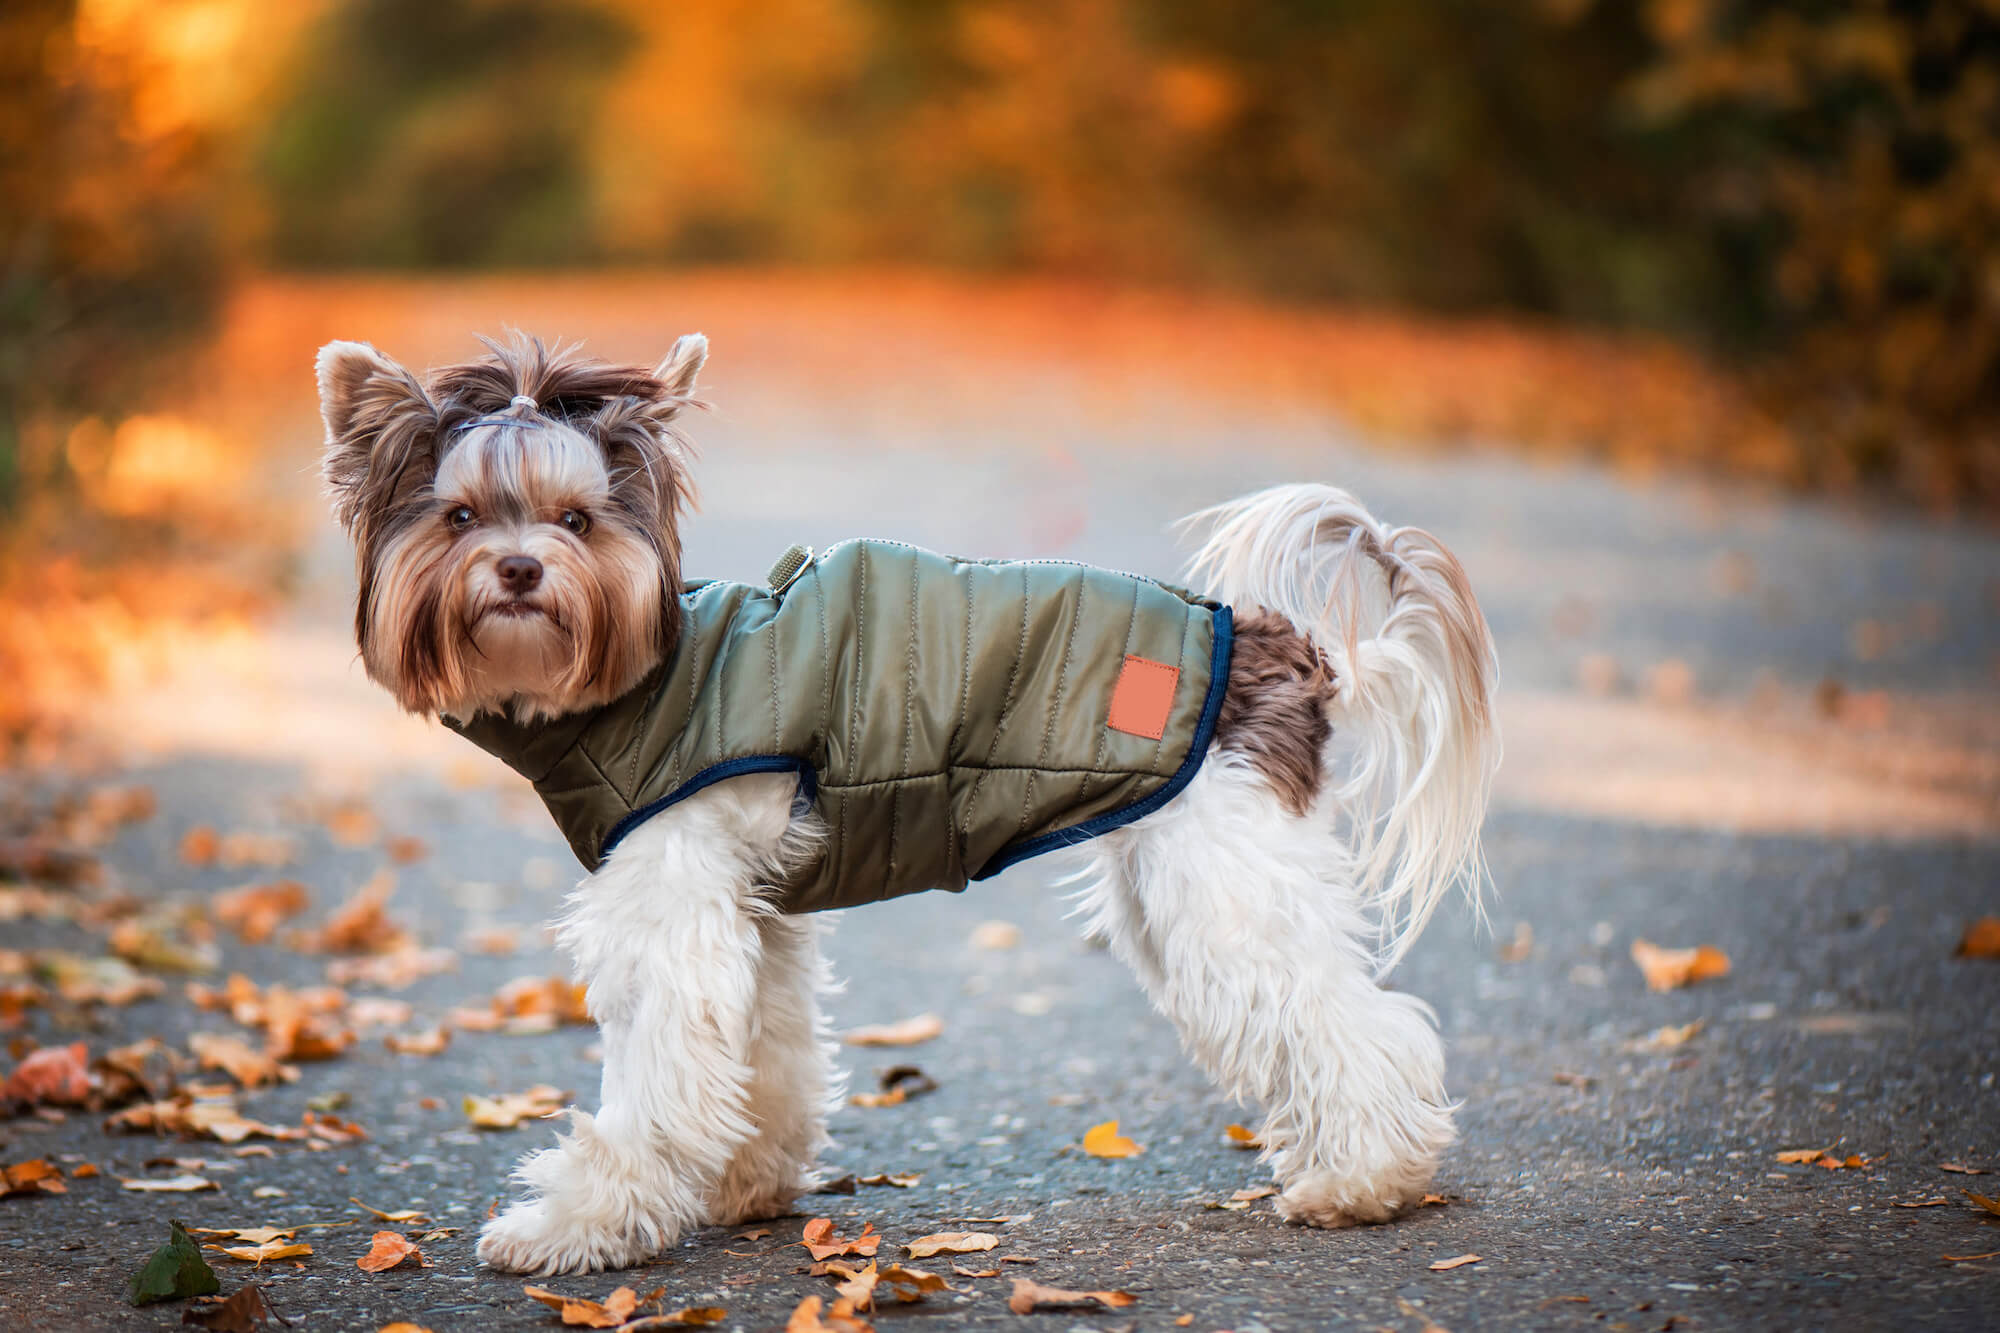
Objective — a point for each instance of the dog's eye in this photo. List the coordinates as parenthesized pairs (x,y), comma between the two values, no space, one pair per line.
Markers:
(577,523)
(461,518)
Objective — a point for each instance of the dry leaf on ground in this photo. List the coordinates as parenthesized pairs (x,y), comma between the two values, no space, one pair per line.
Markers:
(510,1108)
(256,910)
(35,1176)
(612,1311)
(1825,1157)
(1031,1296)
(255,1235)
(245,1312)
(182,1114)
(392,970)
(1105,1141)
(185,1184)
(839,1319)
(1960,1169)
(1990,1205)
(899,1083)
(688,1316)
(234,1057)
(52,1076)
(1969,1258)
(270,1249)
(1239,1137)
(399,1216)
(430,1041)
(951,1242)
(404,1326)
(1446,1265)
(907,1032)
(1670,969)
(360,925)
(902,1180)
(995,935)
(1517,949)
(821,1243)
(386,1249)
(1981,939)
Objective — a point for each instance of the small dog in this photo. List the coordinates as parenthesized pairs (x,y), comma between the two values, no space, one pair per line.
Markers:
(1265,794)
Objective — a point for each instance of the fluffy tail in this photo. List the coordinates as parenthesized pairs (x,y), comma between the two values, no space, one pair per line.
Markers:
(1394,615)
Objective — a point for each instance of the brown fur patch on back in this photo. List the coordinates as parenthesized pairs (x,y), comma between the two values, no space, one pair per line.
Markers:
(1274,710)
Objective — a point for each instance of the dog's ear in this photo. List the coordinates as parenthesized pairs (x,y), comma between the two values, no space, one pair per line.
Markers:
(381,429)
(682,366)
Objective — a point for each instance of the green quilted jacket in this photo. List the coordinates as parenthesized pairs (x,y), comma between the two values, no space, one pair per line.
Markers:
(946,717)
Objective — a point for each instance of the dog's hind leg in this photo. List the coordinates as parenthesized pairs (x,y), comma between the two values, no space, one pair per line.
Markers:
(1236,915)
(793,1086)
(668,935)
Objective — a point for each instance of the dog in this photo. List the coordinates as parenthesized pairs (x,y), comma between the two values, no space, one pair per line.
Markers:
(1264,789)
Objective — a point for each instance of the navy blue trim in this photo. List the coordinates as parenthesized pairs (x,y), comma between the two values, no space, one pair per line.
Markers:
(714,773)
(1218,683)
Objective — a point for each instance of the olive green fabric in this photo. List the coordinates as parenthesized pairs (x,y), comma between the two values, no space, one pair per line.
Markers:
(946,717)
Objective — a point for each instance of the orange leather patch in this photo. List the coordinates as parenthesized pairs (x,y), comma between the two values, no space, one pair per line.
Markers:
(1144,698)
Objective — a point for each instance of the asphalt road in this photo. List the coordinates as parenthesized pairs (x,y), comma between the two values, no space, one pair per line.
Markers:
(1603,1181)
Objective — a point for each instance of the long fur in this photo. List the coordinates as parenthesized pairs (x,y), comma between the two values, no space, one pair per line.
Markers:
(1414,675)
(1340,801)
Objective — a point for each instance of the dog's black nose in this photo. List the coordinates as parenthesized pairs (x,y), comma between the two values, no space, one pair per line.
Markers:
(519,573)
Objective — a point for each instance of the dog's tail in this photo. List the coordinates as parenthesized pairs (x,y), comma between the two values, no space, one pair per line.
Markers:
(1392,612)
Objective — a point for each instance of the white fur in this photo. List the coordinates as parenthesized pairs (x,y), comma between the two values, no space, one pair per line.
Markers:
(1260,933)
(1244,925)
(716,1079)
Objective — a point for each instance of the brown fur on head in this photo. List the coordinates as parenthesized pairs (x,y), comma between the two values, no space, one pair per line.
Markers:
(515,520)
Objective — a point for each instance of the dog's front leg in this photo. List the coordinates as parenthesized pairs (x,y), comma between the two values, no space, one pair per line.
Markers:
(666,936)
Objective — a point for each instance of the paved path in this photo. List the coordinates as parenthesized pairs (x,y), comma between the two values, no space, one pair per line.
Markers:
(1603,1180)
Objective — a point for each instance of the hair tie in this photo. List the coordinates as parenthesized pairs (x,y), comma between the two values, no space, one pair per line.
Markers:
(523,400)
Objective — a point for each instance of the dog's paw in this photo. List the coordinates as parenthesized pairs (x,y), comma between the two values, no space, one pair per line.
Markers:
(755,1205)
(1326,1199)
(529,1238)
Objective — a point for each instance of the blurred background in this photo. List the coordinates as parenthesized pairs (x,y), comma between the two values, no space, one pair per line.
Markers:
(1682,317)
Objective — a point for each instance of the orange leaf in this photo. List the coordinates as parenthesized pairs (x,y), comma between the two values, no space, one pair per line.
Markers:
(951,1242)
(1981,939)
(1105,1141)
(386,1251)
(1670,969)
(1030,1296)
(1446,1265)
(821,1242)
(1240,1137)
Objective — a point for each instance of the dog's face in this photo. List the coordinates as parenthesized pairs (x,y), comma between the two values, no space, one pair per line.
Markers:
(515,522)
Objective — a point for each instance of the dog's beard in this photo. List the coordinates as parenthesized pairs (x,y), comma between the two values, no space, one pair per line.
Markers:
(443,633)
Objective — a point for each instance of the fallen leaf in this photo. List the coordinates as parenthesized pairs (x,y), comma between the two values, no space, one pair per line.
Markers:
(1105,1141)
(430,1041)
(898,1083)
(907,1032)
(963,1271)
(902,1180)
(1981,939)
(406,850)
(376,1011)
(386,1249)
(1572,1080)
(510,1108)
(494,940)
(1517,949)
(951,1242)
(1671,1036)
(755,1233)
(821,1243)
(1446,1265)
(274,1249)
(1969,1258)
(52,1076)
(1938,1202)
(1239,1137)
(245,1312)
(1958,1169)
(403,1326)
(1670,969)
(806,1318)
(361,924)
(690,1316)
(995,935)
(102,980)
(612,1311)
(36,1176)
(1017,1259)
(1030,1296)
(1989,1205)
(173,1272)
(858,1288)
(528,1005)
(234,1057)
(218,1120)
(1433,1201)
(255,911)
(185,1184)
(401,1215)
(1255,1192)
(255,1235)
(200,845)
(396,969)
